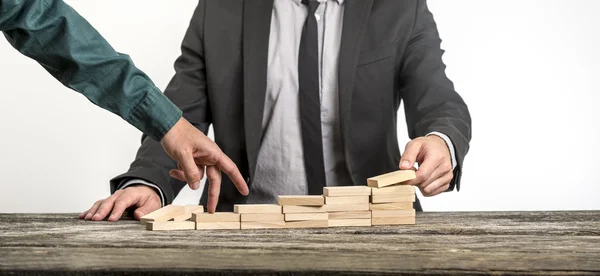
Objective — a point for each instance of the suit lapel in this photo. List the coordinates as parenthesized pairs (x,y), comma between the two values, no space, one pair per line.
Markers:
(256,29)
(356,17)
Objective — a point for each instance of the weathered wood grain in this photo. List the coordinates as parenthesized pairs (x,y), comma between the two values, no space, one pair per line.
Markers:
(525,243)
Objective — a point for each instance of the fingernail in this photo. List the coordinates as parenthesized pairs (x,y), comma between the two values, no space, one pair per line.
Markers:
(197,185)
(88,216)
(96,216)
(405,164)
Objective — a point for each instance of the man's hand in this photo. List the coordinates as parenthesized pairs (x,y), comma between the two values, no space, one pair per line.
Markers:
(435,165)
(195,153)
(144,198)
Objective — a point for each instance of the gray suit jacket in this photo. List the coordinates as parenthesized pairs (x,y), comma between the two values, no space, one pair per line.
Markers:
(390,52)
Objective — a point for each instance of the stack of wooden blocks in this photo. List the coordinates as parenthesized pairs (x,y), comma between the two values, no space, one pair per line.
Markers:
(384,201)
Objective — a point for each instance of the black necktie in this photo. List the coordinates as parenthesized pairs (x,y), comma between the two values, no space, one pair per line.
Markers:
(310,102)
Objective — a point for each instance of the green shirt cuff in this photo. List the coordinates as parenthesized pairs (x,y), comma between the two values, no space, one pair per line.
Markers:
(155,115)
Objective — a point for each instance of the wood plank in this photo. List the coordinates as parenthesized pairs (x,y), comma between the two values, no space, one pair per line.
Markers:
(263,224)
(396,190)
(287,200)
(306,216)
(216,217)
(262,217)
(347,207)
(307,224)
(391,178)
(347,191)
(346,200)
(303,209)
(223,225)
(349,222)
(163,214)
(350,215)
(257,209)
(393,221)
(392,198)
(188,210)
(170,225)
(393,213)
(392,206)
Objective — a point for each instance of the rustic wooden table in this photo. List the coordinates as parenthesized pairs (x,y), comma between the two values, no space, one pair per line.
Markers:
(441,243)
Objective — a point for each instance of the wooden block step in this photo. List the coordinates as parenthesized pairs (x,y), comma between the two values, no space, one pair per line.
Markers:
(392,198)
(307,224)
(257,209)
(393,213)
(170,225)
(347,207)
(306,216)
(262,217)
(217,225)
(393,221)
(163,214)
(392,178)
(188,210)
(216,217)
(347,191)
(263,224)
(396,190)
(301,200)
(349,215)
(303,209)
(392,206)
(346,199)
(349,222)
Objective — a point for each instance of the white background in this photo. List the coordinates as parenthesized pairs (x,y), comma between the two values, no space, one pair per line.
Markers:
(529,71)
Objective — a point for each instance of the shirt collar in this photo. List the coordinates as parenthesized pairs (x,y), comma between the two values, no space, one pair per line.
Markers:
(299,2)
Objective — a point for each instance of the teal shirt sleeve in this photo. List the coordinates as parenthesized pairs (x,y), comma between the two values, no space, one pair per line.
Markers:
(70,49)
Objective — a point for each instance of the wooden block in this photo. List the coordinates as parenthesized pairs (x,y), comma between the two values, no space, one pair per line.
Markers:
(347,191)
(350,215)
(217,225)
(257,209)
(393,213)
(306,216)
(392,178)
(396,190)
(263,224)
(392,206)
(170,225)
(393,221)
(216,217)
(347,207)
(303,209)
(307,224)
(163,214)
(188,210)
(346,199)
(392,198)
(262,217)
(349,222)
(301,200)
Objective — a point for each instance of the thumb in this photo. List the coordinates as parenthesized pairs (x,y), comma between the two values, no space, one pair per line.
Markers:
(143,210)
(409,156)
(190,170)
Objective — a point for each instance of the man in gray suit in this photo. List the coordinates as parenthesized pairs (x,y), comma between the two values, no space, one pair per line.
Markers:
(304,94)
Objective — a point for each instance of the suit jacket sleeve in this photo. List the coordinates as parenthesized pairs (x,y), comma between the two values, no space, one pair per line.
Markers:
(187,90)
(430,101)
(70,49)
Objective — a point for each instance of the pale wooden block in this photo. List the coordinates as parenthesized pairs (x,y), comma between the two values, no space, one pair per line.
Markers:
(306,216)
(392,178)
(307,224)
(392,198)
(217,225)
(257,209)
(263,224)
(188,210)
(396,190)
(393,220)
(346,199)
(216,217)
(393,213)
(347,207)
(170,225)
(286,200)
(163,214)
(347,191)
(262,217)
(303,209)
(392,206)
(350,215)
(349,222)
